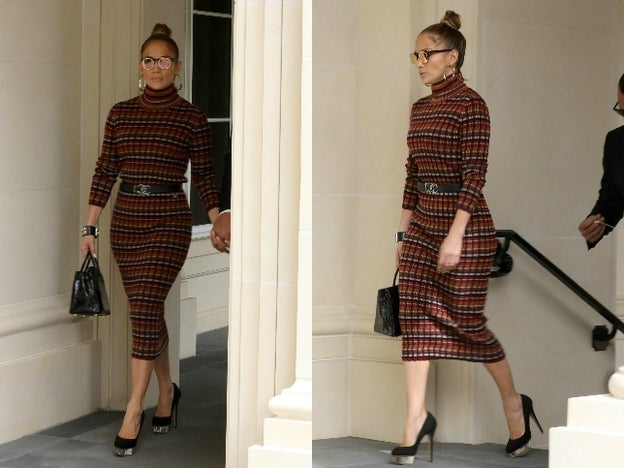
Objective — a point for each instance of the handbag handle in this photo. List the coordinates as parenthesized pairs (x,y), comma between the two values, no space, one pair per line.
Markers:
(89,258)
(396,273)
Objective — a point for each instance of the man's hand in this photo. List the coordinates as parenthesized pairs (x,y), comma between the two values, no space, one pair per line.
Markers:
(592,228)
(220,234)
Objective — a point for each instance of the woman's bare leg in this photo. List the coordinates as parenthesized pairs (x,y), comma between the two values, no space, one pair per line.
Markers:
(512,402)
(416,373)
(141,372)
(165,385)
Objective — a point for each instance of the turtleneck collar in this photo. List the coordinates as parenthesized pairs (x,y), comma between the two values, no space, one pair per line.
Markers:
(159,98)
(445,87)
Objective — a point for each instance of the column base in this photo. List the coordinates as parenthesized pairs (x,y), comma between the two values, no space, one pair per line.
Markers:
(288,435)
(264,457)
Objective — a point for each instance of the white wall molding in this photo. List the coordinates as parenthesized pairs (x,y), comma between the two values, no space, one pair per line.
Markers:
(40,342)
(331,320)
(36,313)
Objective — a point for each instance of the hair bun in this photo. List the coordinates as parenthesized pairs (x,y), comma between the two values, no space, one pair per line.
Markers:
(451,19)
(161,29)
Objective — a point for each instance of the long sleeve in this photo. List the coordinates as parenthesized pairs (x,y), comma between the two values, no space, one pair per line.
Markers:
(107,166)
(202,168)
(151,139)
(610,203)
(448,141)
(410,192)
(474,146)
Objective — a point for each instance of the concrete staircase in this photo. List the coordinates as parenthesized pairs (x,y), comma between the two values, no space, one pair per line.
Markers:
(593,437)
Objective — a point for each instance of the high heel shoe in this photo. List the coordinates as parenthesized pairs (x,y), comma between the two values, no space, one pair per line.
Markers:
(163,424)
(402,455)
(520,447)
(125,447)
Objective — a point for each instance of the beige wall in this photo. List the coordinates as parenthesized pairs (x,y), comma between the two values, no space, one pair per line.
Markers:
(40,70)
(551,129)
(546,71)
(40,134)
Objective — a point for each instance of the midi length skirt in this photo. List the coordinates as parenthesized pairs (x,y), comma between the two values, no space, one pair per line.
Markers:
(441,314)
(150,238)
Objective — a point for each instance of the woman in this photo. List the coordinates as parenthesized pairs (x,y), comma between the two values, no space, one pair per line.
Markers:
(148,142)
(446,240)
(609,207)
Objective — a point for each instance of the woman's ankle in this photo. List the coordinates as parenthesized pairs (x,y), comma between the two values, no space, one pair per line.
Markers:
(134,408)
(166,388)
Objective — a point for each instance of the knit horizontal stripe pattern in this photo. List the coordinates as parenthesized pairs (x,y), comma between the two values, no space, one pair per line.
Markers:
(150,140)
(150,238)
(441,314)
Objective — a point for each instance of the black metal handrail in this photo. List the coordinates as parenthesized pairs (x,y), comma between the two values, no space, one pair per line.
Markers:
(503,264)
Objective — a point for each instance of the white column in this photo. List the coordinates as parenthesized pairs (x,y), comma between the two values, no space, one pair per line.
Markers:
(269,348)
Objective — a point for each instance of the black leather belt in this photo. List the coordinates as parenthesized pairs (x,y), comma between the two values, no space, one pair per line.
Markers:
(434,189)
(145,190)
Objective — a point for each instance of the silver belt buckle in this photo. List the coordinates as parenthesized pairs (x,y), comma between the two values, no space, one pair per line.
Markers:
(141,189)
(431,188)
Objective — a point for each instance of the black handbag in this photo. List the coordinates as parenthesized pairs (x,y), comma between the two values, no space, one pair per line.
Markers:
(387,314)
(88,296)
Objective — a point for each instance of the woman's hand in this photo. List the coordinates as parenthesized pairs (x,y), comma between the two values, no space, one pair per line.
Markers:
(592,228)
(88,242)
(397,256)
(88,245)
(450,253)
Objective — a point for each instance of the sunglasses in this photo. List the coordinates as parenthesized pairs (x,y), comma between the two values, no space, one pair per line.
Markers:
(164,62)
(422,56)
(617,110)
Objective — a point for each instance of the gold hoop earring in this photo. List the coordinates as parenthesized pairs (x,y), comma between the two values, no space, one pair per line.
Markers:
(444,75)
(181,85)
(142,83)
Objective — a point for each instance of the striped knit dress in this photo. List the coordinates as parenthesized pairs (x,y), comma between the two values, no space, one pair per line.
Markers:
(150,140)
(441,314)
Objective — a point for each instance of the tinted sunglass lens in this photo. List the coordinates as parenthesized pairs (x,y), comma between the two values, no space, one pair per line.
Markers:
(421,56)
(164,63)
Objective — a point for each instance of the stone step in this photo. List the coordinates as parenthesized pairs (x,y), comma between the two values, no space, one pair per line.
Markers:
(602,412)
(593,437)
(574,447)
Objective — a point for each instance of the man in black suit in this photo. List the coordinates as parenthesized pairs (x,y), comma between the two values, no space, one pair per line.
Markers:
(609,207)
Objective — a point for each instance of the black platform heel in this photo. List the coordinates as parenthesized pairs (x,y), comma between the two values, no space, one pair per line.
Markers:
(162,425)
(125,447)
(405,455)
(520,447)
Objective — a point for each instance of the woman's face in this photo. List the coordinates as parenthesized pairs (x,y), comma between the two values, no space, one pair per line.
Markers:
(620,98)
(158,78)
(433,71)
